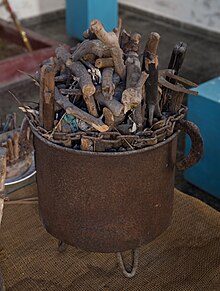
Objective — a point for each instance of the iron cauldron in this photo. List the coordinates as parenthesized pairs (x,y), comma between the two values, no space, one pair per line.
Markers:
(109,202)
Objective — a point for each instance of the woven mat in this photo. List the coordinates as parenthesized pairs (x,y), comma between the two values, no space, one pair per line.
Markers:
(186,257)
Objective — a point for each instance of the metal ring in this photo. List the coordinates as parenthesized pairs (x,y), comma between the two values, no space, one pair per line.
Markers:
(135,259)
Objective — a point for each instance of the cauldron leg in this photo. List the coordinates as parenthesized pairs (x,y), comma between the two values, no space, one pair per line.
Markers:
(135,258)
(61,246)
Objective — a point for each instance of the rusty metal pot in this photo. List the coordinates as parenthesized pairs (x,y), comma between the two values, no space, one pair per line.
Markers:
(106,202)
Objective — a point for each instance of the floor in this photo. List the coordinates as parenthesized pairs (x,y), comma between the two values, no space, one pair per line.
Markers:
(202,62)
(185,257)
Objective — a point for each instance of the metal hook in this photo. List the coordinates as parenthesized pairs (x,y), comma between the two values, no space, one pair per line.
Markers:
(61,246)
(135,259)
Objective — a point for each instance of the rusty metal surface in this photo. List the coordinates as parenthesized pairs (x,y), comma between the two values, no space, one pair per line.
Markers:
(197,147)
(105,202)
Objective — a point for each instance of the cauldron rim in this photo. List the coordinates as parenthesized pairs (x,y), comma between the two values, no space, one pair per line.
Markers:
(113,154)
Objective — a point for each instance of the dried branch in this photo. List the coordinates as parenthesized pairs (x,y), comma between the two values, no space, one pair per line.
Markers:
(88,34)
(108,87)
(133,71)
(132,97)
(2,169)
(16,145)
(151,67)
(85,81)
(115,106)
(10,149)
(95,47)
(82,115)
(46,106)
(104,63)
(110,39)
(130,42)
(117,30)
(109,117)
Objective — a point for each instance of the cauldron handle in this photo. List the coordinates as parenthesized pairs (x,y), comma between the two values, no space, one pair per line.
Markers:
(135,258)
(197,146)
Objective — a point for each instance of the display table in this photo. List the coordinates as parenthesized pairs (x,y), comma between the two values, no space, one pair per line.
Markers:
(186,257)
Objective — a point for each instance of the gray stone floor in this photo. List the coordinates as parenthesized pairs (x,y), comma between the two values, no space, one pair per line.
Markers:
(202,61)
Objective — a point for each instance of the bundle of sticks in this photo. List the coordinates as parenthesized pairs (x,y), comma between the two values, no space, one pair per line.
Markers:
(103,95)
(17,144)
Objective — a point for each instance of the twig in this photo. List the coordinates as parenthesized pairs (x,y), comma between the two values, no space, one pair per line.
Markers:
(124,138)
(30,76)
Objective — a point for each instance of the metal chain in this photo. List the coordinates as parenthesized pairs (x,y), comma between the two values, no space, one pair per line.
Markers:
(158,132)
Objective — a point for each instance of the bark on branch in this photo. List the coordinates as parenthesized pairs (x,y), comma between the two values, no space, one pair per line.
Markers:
(47,85)
(104,63)
(94,46)
(2,169)
(108,87)
(85,81)
(82,115)
(115,106)
(151,67)
(132,97)
(110,39)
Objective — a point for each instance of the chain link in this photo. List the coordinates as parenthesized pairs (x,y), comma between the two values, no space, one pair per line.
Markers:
(158,132)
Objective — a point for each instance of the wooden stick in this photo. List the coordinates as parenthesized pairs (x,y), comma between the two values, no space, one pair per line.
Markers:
(95,47)
(124,39)
(152,43)
(86,144)
(91,105)
(130,42)
(108,87)
(2,169)
(104,63)
(78,69)
(115,106)
(109,117)
(24,138)
(110,39)
(117,30)
(47,85)
(133,71)
(85,81)
(16,145)
(72,92)
(88,34)
(82,115)
(2,179)
(151,67)
(132,97)
(138,118)
(10,149)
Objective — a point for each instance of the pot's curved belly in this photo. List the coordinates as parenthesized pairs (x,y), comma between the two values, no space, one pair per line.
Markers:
(105,203)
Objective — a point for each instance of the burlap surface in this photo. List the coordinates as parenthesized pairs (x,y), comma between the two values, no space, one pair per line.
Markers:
(186,257)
